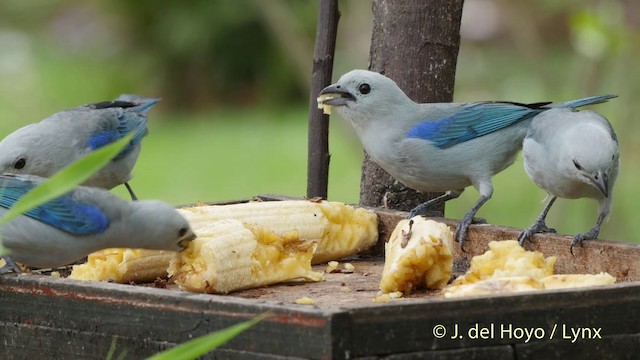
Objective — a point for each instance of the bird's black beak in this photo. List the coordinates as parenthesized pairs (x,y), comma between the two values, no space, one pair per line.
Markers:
(601,182)
(335,95)
(186,239)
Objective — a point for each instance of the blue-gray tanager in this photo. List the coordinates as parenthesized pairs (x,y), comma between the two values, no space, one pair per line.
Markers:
(85,220)
(571,154)
(46,147)
(435,147)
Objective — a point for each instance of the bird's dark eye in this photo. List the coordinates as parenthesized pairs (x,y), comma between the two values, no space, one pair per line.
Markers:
(20,163)
(577,165)
(182,232)
(364,89)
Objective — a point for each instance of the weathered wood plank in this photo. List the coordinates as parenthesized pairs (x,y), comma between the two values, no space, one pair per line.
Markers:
(408,327)
(504,352)
(610,347)
(164,315)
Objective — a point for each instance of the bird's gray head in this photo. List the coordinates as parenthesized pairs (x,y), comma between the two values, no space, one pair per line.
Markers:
(362,95)
(592,155)
(159,226)
(27,152)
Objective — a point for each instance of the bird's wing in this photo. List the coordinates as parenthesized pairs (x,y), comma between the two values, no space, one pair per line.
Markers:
(473,120)
(62,213)
(132,118)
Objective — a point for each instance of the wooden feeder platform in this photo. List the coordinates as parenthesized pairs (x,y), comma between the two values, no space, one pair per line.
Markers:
(47,317)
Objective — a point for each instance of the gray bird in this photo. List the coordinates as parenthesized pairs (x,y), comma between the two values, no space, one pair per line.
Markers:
(435,147)
(571,154)
(46,147)
(85,220)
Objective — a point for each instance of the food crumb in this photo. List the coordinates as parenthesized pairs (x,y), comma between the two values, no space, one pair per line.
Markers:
(348,268)
(332,266)
(305,301)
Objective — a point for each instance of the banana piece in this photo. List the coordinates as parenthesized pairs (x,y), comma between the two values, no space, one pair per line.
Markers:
(418,254)
(124,265)
(339,229)
(229,255)
(508,268)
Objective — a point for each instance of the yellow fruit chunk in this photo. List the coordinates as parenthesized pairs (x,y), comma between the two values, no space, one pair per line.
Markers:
(508,268)
(305,301)
(339,229)
(228,255)
(124,265)
(505,259)
(417,255)
(494,286)
(326,108)
(577,280)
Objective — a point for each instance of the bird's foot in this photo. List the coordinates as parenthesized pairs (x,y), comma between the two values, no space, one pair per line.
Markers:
(580,238)
(424,210)
(478,220)
(461,231)
(536,228)
(10,266)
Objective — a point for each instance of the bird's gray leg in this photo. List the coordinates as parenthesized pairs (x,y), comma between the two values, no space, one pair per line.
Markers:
(589,235)
(425,208)
(10,266)
(133,196)
(461,231)
(539,226)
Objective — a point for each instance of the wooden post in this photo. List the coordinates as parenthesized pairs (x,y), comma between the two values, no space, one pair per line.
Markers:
(415,43)
(318,147)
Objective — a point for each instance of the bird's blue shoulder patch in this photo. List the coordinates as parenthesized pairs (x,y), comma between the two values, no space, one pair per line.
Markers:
(103,138)
(429,130)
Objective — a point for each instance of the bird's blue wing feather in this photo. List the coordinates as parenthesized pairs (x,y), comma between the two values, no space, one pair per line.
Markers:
(481,118)
(62,213)
(472,121)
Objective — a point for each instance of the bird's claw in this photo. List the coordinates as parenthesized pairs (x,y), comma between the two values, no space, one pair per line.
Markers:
(580,238)
(10,266)
(538,227)
(461,231)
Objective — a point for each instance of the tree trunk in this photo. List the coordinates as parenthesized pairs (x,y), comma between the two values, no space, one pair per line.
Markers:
(415,43)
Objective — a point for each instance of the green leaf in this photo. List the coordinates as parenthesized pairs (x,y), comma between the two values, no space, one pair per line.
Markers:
(199,346)
(65,180)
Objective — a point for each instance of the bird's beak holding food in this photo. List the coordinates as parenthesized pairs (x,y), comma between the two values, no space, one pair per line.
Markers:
(601,182)
(184,242)
(334,95)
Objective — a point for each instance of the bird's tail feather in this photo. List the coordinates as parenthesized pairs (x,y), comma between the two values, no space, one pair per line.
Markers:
(592,100)
(143,103)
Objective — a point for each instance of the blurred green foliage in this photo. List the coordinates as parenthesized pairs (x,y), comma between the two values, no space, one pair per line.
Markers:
(234,76)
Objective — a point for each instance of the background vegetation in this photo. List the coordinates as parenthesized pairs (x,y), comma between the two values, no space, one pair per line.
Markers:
(233,76)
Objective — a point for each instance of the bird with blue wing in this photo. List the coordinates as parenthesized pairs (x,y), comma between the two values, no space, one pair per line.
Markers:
(571,154)
(435,147)
(82,221)
(46,147)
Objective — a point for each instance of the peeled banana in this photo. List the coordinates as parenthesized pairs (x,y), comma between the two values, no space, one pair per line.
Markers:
(507,267)
(229,255)
(418,254)
(124,265)
(339,229)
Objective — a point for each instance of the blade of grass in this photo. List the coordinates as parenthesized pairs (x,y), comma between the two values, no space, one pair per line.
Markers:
(65,180)
(199,346)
